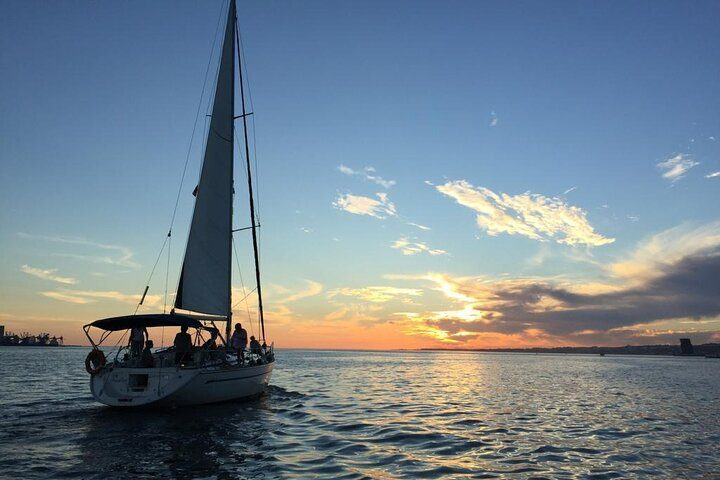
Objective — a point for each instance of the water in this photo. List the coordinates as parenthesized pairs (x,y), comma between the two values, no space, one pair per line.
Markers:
(347,415)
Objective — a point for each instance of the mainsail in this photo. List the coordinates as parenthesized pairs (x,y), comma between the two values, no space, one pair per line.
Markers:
(205,277)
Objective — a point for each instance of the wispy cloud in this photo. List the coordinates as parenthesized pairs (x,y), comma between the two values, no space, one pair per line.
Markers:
(359,205)
(67,298)
(82,297)
(417,225)
(531,215)
(493,119)
(413,248)
(675,168)
(312,289)
(378,294)
(368,173)
(713,174)
(121,256)
(47,274)
(571,189)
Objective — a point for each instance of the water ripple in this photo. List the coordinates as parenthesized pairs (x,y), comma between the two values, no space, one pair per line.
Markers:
(356,415)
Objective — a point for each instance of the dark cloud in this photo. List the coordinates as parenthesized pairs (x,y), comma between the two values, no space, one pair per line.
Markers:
(688,288)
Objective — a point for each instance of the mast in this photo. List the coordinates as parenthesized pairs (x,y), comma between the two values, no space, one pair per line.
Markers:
(250,185)
(232,16)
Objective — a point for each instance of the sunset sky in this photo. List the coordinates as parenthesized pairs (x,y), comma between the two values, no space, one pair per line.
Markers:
(455,174)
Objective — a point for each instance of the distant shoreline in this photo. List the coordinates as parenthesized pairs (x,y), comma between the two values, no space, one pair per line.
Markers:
(712,349)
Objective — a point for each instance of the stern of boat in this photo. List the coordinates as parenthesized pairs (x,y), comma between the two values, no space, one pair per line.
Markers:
(133,387)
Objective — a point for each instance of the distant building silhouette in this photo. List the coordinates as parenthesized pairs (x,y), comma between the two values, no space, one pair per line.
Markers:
(686,347)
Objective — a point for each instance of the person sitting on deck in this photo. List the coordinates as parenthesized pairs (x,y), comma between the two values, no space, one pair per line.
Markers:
(183,345)
(137,338)
(255,347)
(146,360)
(238,341)
(211,343)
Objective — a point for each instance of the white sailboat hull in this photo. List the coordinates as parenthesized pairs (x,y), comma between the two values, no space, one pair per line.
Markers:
(170,386)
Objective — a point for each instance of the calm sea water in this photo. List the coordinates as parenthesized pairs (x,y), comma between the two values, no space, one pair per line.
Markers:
(347,415)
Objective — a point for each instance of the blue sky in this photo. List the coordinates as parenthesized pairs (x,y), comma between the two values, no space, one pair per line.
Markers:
(581,102)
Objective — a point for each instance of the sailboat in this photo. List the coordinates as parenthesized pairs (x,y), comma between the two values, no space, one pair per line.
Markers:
(211,372)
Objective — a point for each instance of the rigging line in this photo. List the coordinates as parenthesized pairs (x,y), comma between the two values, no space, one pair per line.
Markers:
(246,296)
(250,191)
(237,258)
(241,154)
(197,114)
(147,284)
(242,282)
(167,270)
(252,109)
(247,82)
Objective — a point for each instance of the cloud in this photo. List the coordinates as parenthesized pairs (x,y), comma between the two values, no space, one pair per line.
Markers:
(675,168)
(531,215)
(493,119)
(378,294)
(347,170)
(359,313)
(413,248)
(682,287)
(82,297)
(368,173)
(655,254)
(122,255)
(417,225)
(277,301)
(571,189)
(47,274)
(713,174)
(67,298)
(312,289)
(359,205)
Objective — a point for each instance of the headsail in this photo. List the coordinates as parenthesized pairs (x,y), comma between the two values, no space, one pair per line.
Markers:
(205,277)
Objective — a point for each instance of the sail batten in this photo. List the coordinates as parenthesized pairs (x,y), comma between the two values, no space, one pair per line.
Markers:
(205,276)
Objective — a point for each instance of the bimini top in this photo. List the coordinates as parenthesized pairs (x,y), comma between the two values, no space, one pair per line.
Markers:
(148,320)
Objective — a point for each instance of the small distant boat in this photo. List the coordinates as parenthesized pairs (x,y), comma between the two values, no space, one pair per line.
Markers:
(209,373)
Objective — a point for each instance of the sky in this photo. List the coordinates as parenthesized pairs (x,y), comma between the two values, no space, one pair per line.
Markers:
(461,174)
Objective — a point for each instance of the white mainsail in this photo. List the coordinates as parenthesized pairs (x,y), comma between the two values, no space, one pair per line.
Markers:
(205,277)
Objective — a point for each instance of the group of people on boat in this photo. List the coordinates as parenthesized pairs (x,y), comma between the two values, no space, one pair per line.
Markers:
(141,346)
(239,343)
